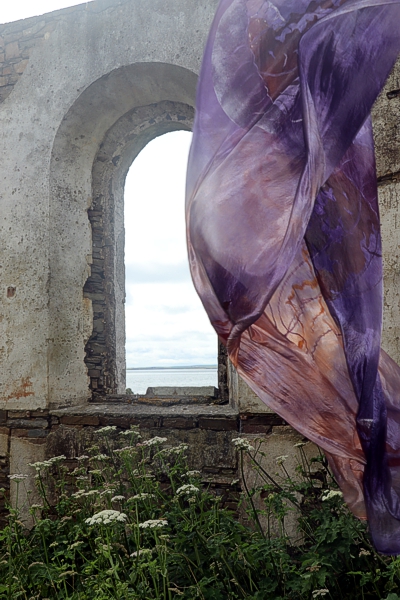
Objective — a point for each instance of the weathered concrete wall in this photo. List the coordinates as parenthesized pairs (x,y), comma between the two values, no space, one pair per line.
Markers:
(386,122)
(93,65)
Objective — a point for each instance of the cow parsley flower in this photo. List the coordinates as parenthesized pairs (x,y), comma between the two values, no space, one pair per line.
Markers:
(322,592)
(142,552)
(281,459)
(328,494)
(105,517)
(142,496)
(242,444)
(153,524)
(17,477)
(104,430)
(155,440)
(187,490)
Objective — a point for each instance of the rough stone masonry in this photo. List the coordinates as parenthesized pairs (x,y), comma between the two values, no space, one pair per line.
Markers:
(82,90)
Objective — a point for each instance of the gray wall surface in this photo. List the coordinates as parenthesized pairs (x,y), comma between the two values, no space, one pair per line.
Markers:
(67,79)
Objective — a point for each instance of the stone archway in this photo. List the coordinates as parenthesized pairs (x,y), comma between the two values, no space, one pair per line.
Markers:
(96,143)
(105,350)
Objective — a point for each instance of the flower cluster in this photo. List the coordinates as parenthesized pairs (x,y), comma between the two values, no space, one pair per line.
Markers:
(281,459)
(17,477)
(106,516)
(142,552)
(47,463)
(322,592)
(242,444)
(154,441)
(153,524)
(100,457)
(193,473)
(141,496)
(105,430)
(83,493)
(328,494)
(187,490)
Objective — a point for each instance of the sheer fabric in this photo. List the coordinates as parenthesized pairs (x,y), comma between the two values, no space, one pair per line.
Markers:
(283,227)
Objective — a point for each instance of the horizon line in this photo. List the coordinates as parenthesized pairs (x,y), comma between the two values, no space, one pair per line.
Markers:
(172,367)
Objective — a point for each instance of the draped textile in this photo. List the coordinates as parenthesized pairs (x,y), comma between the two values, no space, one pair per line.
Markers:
(283,227)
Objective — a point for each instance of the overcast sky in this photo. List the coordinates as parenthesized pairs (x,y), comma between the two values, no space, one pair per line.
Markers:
(165,321)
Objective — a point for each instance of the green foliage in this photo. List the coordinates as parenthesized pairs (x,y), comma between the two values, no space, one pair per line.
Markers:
(133,522)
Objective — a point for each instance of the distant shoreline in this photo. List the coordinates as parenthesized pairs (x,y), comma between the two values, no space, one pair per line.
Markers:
(180,368)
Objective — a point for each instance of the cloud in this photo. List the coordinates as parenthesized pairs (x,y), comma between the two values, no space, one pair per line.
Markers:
(157,273)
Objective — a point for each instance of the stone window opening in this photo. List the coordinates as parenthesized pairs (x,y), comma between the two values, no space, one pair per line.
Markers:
(105,287)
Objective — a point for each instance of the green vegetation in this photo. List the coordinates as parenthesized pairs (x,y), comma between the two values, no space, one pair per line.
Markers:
(133,522)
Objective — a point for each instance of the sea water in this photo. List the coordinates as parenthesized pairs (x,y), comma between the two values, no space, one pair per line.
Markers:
(138,380)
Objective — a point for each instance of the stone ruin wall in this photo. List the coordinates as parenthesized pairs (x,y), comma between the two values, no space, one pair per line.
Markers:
(31,429)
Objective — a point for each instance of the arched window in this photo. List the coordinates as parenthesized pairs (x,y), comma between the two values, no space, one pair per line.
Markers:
(169,340)
(105,287)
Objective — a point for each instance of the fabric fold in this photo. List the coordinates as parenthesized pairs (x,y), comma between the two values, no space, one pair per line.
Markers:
(283,227)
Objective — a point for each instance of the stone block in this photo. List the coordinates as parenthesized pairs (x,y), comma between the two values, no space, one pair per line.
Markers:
(4,438)
(23,452)
(179,422)
(218,424)
(80,420)
(19,433)
(12,50)
(38,433)
(3,416)
(19,414)
(21,66)
(124,422)
(27,423)
(280,444)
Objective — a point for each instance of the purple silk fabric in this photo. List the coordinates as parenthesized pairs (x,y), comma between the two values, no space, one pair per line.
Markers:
(283,227)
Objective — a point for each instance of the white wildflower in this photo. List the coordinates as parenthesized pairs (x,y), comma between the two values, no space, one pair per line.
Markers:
(40,465)
(117,498)
(193,474)
(187,490)
(153,523)
(100,457)
(313,568)
(127,449)
(36,507)
(56,459)
(155,440)
(95,472)
(131,432)
(106,516)
(242,444)
(364,552)
(141,496)
(83,457)
(83,493)
(104,492)
(281,459)
(176,449)
(107,429)
(142,552)
(82,478)
(75,545)
(322,592)
(17,477)
(328,494)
